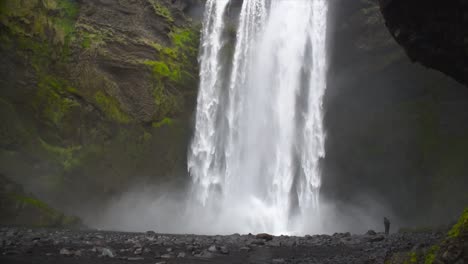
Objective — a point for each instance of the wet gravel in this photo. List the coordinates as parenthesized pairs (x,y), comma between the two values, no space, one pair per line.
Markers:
(19,245)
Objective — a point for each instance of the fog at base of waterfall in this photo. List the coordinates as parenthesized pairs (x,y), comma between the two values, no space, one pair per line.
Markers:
(259,138)
(167,209)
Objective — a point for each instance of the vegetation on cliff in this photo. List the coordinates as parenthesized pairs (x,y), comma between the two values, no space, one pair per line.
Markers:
(19,208)
(91,94)
(450,250)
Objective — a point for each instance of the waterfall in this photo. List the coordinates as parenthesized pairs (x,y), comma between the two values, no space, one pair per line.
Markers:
(259,137)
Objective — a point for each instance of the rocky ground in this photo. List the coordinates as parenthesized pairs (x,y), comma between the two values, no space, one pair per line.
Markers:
(20,245)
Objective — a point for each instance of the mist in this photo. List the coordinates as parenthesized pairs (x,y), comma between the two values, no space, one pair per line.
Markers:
(165,210)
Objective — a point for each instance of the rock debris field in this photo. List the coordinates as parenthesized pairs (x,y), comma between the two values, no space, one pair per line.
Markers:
(73,246)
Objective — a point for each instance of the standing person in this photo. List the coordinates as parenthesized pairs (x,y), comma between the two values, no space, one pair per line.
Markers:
(387,225)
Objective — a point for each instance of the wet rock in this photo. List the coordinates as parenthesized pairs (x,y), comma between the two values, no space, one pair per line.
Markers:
(371,233)
(259,242)
(377,238)
(244,249)
(224,250)
(138,251)
(264,236)
(278,261)
(11,252)
(212,249)
(204,254)
(167,256)
(66,252)
(135,258)
(150,233)
(107,252)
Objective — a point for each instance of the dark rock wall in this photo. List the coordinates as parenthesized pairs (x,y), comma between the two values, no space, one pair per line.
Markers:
(432,32)
(397,133)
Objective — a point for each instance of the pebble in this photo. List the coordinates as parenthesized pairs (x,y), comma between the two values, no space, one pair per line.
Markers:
(135,258)
(264,236)
(107,252)
(166,256)
(244,249)
(138,251)
(65,252)
(224,250)
(212,249)
(278,261)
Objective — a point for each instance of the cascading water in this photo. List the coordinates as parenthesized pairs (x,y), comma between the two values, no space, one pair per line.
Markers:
(259,138)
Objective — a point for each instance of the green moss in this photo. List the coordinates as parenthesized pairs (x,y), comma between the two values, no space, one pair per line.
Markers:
(45,216)
(173,70)
(86,43)
(166,102)
(460,226)
(183,38)
(165,122)
(412,258)
(12,132)
(53,100)
(92,38)
(159,68)
(431,254)
(146,136)
(111,107)
(67,157)
(35,203)
(162,10)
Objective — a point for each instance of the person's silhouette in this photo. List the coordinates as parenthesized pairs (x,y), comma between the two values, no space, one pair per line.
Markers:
(387,225)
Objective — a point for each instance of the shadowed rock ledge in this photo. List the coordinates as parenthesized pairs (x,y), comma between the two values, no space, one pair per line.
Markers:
(433,33)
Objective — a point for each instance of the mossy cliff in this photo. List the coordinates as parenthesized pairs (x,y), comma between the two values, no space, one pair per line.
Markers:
(94,96)
(453,249)
(19,208)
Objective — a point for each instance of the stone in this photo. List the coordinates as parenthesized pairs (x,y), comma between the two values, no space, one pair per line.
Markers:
(224,250)
(371,233)
(204,254)
(66,252)
(166,256)
(212,248)
(190,248)
(181,255)
(264,236)
(138,251)
(259,242)
(377,238)
(278,261)
(135,258)
(107,252)
(150,233)
(244,249)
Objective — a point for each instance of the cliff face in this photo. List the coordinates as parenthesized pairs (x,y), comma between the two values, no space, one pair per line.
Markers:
(95,95)
(432,32)
(396,130)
